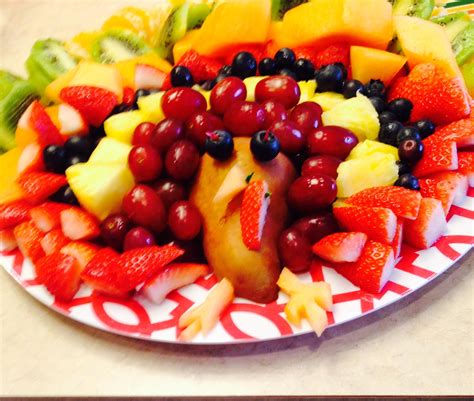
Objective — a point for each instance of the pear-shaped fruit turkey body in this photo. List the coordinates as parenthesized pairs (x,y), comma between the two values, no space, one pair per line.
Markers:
(252,273)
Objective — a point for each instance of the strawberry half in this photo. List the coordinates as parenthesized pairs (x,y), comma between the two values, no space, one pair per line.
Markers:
(95,104)
(461,132)
(433,93)
(253,213)
(7,240)
(28,238)
(77,224)
(53,241)
(39,186)
(128,96)
(46,215)
(14,213)
(428,227)
(338,53)
(437,156)
(373,269)
(82,251)
(48,133)
(378,223)
(341,247)
(174,276)
(60,274)
(398,239)
(31,159)
(466,166)
(401,201)
(202,68)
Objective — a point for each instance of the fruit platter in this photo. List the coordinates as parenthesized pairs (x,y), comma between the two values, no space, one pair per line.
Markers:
(240,170)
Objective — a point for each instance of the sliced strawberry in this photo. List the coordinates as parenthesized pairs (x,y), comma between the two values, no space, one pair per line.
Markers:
(434,94)
(378,223)
(31,159)
(148,77)
(428,226)
(461,132)
(53,241)
(46,215)
(373,269)
(95,104)
(128,96)
(77,224)
(174,276)
(202,68)
(437,156)
(7,240)
(28,238)
(401,201)
(82,251)
(466,166)
(39,186)
(253,213)
(60,274)
(167,83)
(337,53)
(398,239)
(341,247)
(48,133)
(14,213)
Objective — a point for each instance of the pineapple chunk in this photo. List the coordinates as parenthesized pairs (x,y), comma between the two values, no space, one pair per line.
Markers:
(250,85)
(207,96)
(151,106)
(307,89)
(121,126)
(368,147)
(110,150)
(100,188)
(357,115)
(376,170)
(328,100)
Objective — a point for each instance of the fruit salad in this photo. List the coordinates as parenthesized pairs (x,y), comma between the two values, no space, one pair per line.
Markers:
(244,138)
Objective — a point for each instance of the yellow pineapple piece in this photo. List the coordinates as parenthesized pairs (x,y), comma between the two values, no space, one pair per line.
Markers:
(110,150)
(151,106)
(250,85)
(121,126)
(368,147)
(307,88)
(80,45)
(9,190)
(328,100)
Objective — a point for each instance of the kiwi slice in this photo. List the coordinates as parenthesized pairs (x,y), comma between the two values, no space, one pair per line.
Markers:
(463,44)
(280,7)
(12,106)
(174,28)
(197,14)
(7,80)
(117,45)
(453,24)
(413,8)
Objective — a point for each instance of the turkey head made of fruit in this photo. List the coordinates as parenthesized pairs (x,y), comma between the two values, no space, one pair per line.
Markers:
(253,273)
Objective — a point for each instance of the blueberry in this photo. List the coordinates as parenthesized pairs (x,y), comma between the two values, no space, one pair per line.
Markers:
(388,132)
(181,76)
(304,69)
(123,108)
(410,151)
(403,168)
(208,85)
(264,146)
(71,161)
(329,78)
(408,181)
(65,195)
(387,117)
(426,128)
(244,65)
(141,93)
(267,66)
(298,160)
(351,88)
(288,73)
(219,145)
(344,70)
(78,145)
(54,157)
(401,108)
(284,58)
(378,103)
(225,70)
(376,88)
(408,133)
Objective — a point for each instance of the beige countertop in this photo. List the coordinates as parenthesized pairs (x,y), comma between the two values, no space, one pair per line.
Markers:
(424,344)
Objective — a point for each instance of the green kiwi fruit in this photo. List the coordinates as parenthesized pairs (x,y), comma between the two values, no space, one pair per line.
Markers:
(463,44)
(453,24)
(174,28)
(413,8)
(467,71)
(280,7)
(197,14)
(117,45)
(7,80)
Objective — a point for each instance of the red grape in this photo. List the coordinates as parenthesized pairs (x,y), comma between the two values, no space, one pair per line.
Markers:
(169,192)
(182,160)
(310,194)
(331,140)
(145,163)
(145,208)
(113,230)
(281,88)
(323,164)
(184,220)
(138,237)
(143,134)
(181,103)
(201,123)
(317,226)
(244,118)
(274,112)
(291,139)
(167,132)
(307,116)
(295,250)
(226,92)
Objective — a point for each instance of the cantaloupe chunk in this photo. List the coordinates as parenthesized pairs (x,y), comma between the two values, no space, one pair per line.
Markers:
(184,44)
(368,63)
(9,189)
(53,90)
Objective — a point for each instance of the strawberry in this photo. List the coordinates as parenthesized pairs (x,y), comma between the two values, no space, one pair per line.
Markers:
(48,133)
(341,247)
(28,238)
(31,159)
(128,96)
(445,187)
(253,213)
(95,104)
(202,68)
(255,49)
(373,269)
(53,241)
(428,226)
(60,274)
(306,52)
(39,186)
(46,215)
(401,201)
(377,222)
(433,93)
(338,53)
(82,251)
(167,83)
(398,239)
(7,240)
(174,276)
(437,156)
(14,213)
(466,166)
(461,132)
(77,224)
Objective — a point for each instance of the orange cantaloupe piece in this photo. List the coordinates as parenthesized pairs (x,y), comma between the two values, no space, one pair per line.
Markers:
(9,190)
(184,44)
(53,90)
(368,63)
